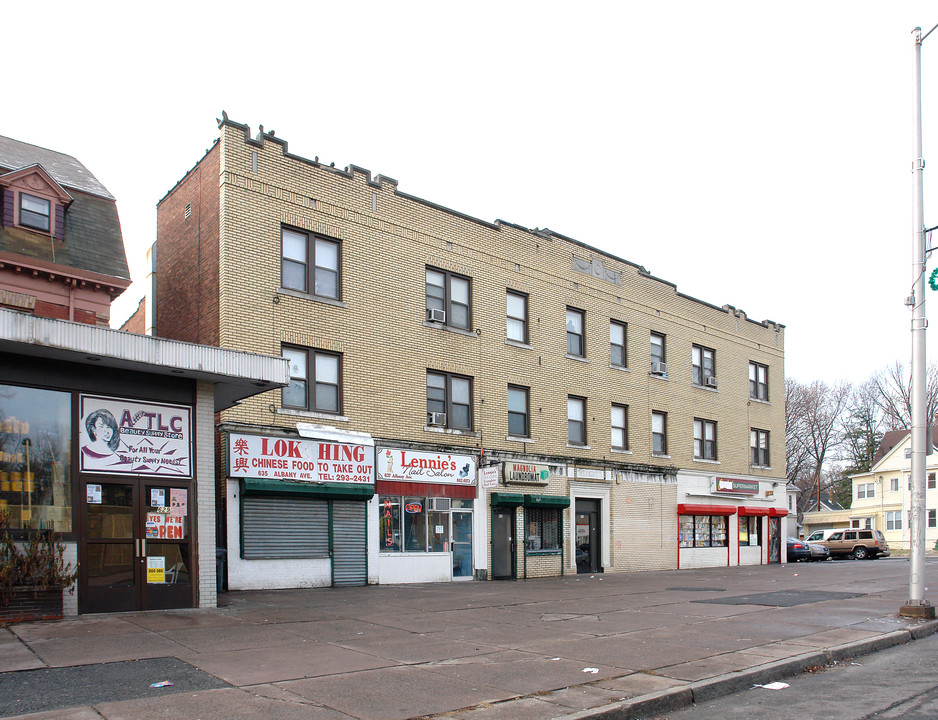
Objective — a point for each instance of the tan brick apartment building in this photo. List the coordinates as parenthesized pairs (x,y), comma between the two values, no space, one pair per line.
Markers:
(470,399)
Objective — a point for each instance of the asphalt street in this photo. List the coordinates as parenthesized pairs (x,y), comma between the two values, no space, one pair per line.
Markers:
(901,682)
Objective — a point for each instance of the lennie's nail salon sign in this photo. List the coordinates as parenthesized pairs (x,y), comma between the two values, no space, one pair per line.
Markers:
(124,437)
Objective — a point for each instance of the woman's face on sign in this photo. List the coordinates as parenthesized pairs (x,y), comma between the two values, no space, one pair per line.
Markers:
(102,430)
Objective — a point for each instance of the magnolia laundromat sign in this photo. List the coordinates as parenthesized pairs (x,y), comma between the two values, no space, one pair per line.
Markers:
(526,474)
(737,487)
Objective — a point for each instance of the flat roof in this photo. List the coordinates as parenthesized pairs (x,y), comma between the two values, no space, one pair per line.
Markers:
(236,374)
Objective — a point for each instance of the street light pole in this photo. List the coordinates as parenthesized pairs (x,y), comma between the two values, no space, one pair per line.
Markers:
(917,605)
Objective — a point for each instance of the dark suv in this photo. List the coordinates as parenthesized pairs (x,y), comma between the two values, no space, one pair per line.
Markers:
(859,544)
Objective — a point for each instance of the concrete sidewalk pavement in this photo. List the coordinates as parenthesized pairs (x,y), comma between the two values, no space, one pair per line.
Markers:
(581,646)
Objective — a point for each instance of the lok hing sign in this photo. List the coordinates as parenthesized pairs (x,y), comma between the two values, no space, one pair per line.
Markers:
(124,437)
(737,487)
(300,460)
(411,466)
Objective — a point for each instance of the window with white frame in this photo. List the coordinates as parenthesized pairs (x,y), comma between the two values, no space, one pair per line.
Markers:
(310,263)
(517,316)
(518,424)
(620,427)
(35,212)
(315,380)
(894,484)
(450,294)
(894,520)
(576,420)
(617,336)
(931,481)
(866,490)
(759,447)
(703,364)
(758,381)
(449,400)
(659,433)
(705,439)
(932,518)
(576,340)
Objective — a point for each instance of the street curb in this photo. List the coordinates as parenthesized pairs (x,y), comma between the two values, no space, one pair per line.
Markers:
(677,698)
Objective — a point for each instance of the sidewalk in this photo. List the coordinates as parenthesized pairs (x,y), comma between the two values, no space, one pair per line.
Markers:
(610,646)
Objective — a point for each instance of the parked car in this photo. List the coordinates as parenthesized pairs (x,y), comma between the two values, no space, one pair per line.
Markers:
(798,550)
(818,552)
(819,535)
(859,544)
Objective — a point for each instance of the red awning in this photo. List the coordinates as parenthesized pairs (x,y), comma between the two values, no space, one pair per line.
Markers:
(755,511)
(688,509)
(775,512)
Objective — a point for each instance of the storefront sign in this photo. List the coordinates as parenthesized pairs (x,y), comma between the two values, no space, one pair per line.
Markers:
(162,526)
(590,474)
(488,476)
(526,473)
(156,569)
(411,466)
(737,487)
(299,460)
(123,437)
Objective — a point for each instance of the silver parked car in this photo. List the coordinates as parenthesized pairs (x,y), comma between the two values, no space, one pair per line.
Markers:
(818,552)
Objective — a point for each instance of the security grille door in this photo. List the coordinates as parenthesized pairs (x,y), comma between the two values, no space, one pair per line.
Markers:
(288,528)
(349,544)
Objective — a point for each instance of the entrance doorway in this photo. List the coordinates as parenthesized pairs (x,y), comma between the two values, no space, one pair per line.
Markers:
(588,537)
(775,540)
(134,550)
(504,563)
(462,544)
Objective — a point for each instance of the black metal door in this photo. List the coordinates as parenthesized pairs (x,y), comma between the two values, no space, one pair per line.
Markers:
(588,537)
(503,544)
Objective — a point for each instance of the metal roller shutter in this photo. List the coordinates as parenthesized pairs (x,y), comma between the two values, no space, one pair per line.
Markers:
(277,527)
(349,547)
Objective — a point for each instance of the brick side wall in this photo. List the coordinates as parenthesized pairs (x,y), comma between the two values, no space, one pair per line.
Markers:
(187,256)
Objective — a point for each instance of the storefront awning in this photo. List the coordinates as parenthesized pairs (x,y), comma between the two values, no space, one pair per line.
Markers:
(551,501)
(754,511)
(500,499)
(775,512)
(691,509)
(329,491)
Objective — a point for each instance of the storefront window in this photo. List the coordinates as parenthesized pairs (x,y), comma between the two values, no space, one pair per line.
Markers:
(749,531)
(703,531)
(35,453)
(415,524)
(543,530)
(390,538)
(408,525)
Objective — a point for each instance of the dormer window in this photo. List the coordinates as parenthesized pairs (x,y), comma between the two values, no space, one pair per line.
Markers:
(35,212)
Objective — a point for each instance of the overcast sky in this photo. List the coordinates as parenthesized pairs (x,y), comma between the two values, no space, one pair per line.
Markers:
(753,153)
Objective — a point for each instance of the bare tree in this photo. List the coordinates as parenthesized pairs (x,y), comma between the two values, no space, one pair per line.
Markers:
(815,428)
(892,390)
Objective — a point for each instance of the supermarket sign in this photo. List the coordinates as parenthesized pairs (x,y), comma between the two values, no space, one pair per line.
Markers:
(737,487)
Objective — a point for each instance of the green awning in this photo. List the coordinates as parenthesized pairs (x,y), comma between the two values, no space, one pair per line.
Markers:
(506,499)
(551,501)
(329,491)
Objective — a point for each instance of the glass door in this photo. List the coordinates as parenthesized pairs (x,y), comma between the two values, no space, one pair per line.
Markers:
(462,544)
(108,578)
(135,551)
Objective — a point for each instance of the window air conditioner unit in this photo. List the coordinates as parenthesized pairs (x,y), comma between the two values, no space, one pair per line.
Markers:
(659,368)
(436,418)
(436,316)
(710,381)
(439,504)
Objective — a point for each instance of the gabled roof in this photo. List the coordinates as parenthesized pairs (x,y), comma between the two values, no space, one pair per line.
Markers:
(895,437)
(93,240)
(65,169)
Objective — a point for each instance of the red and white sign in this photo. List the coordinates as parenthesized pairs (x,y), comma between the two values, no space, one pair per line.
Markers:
(411,466)
(299,460)
(165,527)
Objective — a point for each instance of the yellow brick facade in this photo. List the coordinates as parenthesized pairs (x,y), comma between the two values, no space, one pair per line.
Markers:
(388,240)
